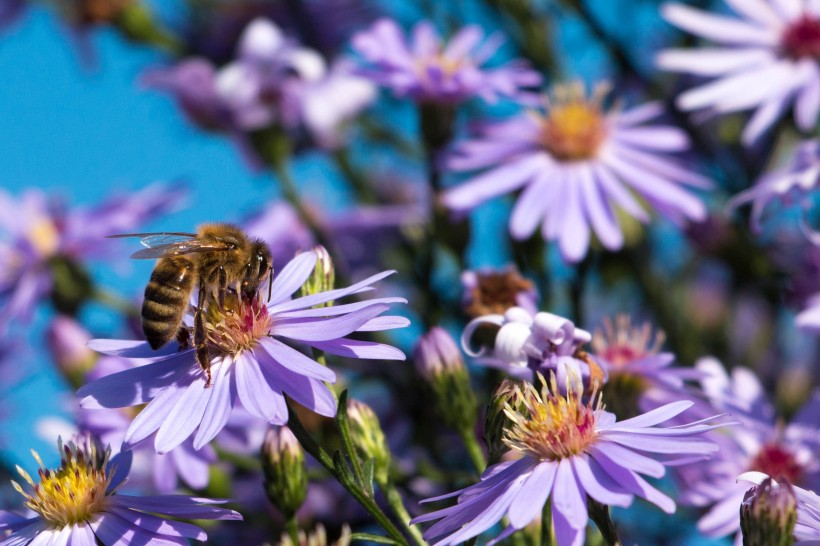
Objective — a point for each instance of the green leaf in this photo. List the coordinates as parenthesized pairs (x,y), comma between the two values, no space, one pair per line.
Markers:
(372,538)
(368,470)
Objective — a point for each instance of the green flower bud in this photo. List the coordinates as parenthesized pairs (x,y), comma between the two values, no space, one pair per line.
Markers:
(438,361)
(72,285)
(496,421)
(283,463)
(323,277)
(768,515)
(367,436)
(317,537)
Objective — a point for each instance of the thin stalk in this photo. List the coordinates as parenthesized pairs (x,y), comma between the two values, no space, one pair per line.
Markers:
(599,513)
(357,180)
(474,450)
(546,524)
(318,453)
(396,504)
(292,527)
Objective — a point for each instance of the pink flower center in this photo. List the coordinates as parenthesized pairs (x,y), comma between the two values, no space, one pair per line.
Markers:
(802,38)
(548,425)
(575,125)
(777,462)
(620,343)
(237,325)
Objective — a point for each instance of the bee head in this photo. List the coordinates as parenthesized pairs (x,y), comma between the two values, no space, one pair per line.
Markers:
(258,268)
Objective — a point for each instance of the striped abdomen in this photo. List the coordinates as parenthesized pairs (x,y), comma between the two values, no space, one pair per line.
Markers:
(166,298)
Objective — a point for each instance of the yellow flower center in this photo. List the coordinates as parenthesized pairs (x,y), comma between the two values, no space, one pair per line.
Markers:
(237,325)
(549,425)
(72,493)
(44,237)
(574,126)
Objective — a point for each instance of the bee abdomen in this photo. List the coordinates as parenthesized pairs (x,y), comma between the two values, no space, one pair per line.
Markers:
(166,296)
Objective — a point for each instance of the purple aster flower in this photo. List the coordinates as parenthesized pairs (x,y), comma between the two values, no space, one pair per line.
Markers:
(760,444)
(807,528)
(251,364)
(640,377)
(426,70)
(79,503)
(765,61)
(575,162)
(38,234)
(792,181)
(569,450)
(493,291)
(528,343)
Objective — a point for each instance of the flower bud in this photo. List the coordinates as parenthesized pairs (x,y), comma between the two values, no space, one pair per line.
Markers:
(317,537)
(768,515)
(68,342)
(323,277)
(367,436)
(283,463)
(438,361)
(496,420)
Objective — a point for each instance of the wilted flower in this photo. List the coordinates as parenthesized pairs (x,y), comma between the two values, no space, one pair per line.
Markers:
(574,162)
(768,514)
(807,529)
(528,343)
(43,244)
(493,291)
(765,61)
(640,377)
(79,503)
(428,71)
(793,180)
(760,444)
(283,462)
(570,450)
(250,364)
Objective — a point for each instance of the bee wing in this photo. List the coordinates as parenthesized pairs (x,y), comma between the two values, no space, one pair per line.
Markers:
(161,245)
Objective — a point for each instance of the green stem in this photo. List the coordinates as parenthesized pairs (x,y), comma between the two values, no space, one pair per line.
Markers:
(318,453)
(357,180)
(474,451)
(396,504)
(292,527)
(115,302)
(599,513)
(546,524)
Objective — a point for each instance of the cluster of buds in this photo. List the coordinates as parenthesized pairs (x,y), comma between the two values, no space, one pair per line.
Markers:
(438,361)
(283,463)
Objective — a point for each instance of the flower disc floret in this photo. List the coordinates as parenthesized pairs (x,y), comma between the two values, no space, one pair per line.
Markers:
(801,39)
(237,325)
(777,461)
(574,126)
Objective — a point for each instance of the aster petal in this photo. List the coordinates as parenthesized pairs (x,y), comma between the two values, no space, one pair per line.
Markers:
(166,478)
(568,497)
(658,137)
(807,106)
(639,114)
(599,211)
(630,459)
(426,41)
(655,416)
(740,91)
(495,182)
(192,466)
(490,478)
(485,152)
(133,348)
(574,237)
(292,276)
(82,535)
(353,348)
(650,443)
(600,487)
(566,534)
(181,506)
(23,536)
(616,191)
(712,61)
(135,386)
(220,404)
(160,526)
(153,415)
(334,310)
(184,417)
(48,537)
(724,517)
(112,530)
(323,330)
(330,295)
(789,9)
(118,468)
(388,322)
(256,395)
(716,27)
(634,483)
(759,11)
(532,495)
(531,206)
(9,521)
(663,167)
(463,42)
(763,118)
(295,361)
(307,391)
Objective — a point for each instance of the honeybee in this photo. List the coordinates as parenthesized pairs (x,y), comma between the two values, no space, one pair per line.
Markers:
(219,258)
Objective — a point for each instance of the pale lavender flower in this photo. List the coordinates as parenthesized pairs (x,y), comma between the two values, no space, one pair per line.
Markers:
(759,444)
(37,232)
(67,341)
(570,450)
(797,177)
(809,318)
(427,70)
(528,343)
(765,61)
(575,162)
(79,503)
(251,364)
(807,528)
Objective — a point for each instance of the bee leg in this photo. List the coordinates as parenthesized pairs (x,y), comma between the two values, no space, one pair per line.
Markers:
(222,282)
(183,338)
(270,282)
(200,338)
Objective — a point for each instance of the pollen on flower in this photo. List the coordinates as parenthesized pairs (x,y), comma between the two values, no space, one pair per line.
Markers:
(73,492)
(621,343)
(237,324)
(575,125)
(549,425)
(778,462)
(801,39)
